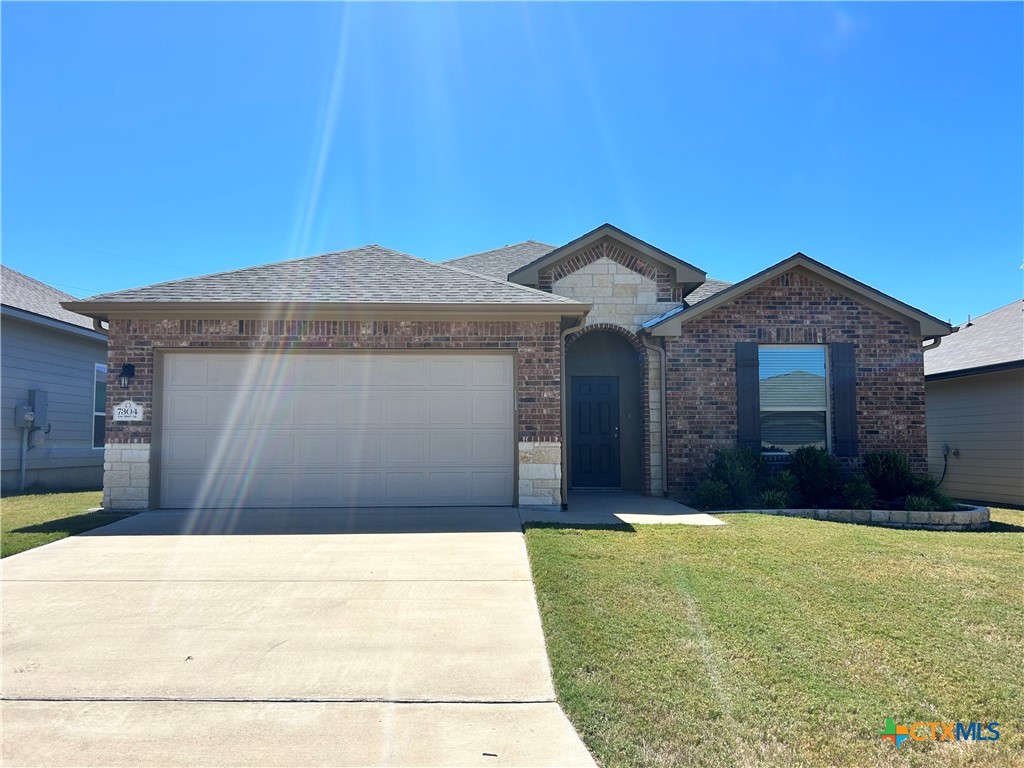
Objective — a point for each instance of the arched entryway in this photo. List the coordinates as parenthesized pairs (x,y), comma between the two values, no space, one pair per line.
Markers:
(605,425)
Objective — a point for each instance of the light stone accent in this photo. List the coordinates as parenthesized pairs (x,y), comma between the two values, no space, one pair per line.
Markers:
(126,476)
(620,296)
(967,518)
(540,474)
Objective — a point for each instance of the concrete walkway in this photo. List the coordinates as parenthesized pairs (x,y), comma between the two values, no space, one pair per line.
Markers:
(616,508)
(281,637)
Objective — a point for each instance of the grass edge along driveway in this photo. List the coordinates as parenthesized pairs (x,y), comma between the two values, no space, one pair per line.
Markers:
(32,520)
(783,641)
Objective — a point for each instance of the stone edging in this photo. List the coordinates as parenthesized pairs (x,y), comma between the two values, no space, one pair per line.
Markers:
(967,518)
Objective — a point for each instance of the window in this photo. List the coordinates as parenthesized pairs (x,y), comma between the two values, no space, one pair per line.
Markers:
(99,406)
(793,387)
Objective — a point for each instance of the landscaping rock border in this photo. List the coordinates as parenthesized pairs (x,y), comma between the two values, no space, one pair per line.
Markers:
(967,518)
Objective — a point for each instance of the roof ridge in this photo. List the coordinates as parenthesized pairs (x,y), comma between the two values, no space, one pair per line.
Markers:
(502,248)
(242,269)
(973,320)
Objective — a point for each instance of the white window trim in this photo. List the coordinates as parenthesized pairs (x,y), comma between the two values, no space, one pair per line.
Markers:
(97,367)
(803,408)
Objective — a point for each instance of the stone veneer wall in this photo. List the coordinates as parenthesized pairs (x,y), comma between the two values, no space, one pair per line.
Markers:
(136,341)
(620,296)
(126,476)
(793,308)
(540,474)
(969,519)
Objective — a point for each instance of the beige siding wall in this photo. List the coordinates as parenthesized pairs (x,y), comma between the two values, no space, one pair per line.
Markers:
(982,417)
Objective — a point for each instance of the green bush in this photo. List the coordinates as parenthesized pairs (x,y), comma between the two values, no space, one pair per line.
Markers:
(739,469)
(922,484)
(818,475)
(889,473)
(773,498)
(920,503)
(785,482)
(942,502)
(858,493)
(713,494)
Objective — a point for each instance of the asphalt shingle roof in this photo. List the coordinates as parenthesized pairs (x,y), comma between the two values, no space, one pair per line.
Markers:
(992,339)
(501,262)
(22,292)
(370,274)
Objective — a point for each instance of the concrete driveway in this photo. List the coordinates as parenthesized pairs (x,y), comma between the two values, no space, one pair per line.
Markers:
(281,637)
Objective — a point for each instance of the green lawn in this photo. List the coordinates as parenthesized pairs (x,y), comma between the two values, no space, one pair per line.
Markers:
(782,641)
(37,519)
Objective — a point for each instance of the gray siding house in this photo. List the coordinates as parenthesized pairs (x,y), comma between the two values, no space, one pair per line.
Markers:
(54,362)
(974,384)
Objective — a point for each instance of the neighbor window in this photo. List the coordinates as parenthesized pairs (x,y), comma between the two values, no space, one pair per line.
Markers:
(99,406)
(793,385)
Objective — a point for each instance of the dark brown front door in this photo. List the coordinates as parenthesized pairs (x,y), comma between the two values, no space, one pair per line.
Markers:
(595,432)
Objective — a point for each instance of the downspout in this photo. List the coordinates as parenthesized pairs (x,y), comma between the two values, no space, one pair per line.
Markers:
(926,347)
(24,457)
(97,325)
(645,336)
(565,440)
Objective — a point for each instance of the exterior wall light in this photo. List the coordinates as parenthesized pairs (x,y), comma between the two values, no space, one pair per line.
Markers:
(127,374)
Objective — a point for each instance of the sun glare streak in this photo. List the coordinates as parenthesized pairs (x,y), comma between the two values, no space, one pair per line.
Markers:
(306,215)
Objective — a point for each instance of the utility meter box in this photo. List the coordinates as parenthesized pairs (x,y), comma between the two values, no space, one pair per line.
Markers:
(24,416)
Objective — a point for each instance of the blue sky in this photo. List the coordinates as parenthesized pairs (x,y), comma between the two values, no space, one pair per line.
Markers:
(150,141)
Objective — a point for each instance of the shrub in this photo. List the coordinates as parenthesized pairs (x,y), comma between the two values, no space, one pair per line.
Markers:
(919,503)
(713,494)
(922,484)
(739,469)
(889,473)
(785,482)
(773,498)
(858,493)
(942,502)
(818,474)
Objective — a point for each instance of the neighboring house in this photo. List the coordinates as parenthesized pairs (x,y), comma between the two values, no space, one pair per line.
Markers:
(368,377)
(54,362)
(975,387)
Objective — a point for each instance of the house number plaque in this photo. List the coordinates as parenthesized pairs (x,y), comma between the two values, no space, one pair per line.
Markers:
(127,411)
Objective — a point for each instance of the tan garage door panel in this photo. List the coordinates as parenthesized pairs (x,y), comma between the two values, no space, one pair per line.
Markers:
(334,429)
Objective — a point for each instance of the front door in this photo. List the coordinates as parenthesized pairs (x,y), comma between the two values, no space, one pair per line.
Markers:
(595,432)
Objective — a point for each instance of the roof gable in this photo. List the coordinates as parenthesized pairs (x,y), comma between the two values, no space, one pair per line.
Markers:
(923,324)
(681,272)
(994,339)
(365,277)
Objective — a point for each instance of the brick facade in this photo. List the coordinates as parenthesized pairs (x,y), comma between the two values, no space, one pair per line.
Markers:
(794,308)
(536,344)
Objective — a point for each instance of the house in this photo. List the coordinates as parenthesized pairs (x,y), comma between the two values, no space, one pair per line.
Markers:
(975,387)
(53,364)
(369,377)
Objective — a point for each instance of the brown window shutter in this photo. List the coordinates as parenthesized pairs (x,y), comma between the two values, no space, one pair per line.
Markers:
(748,396)
(844,399)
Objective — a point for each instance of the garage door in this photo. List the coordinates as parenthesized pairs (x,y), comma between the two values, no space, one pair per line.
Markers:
(336,429)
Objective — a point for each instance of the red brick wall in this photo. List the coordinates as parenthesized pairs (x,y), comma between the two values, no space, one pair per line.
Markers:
(794,308)
(536,344)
